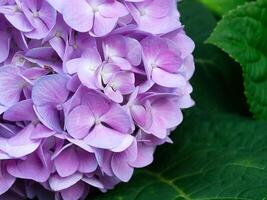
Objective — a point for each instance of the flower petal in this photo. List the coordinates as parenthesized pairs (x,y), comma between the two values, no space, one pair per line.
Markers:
(58,183)
(105,138)
(67,162)
(78,15)
(51,89)
(79,122)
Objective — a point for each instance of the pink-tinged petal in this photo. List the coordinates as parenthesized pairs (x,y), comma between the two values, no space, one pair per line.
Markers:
(4,45)
(134,51)
(6,180)
(159,8)
(113,9)
(117,118)
(114,95)
(103,25)
(121,168)
(80,143)
(21,144)
(167,79)
(188,67)
(124,82)
(50,89)
(121,62)
(152,47)
(104,160)
(17,112)
(114,46)
(90,60)
(93,57)
(169,61)
(58,183)
(166,115)
(78,15)
(93,182)
(10,85)
(107,72)
(105,138)
(186,45)
(142,115)
(74,192)
(67,162)
(31,168)
(88,77)
(144,155)
(147,18)
(79,121)
(42,132)
(124,145)
(49,116)
(74,65)
(87,161)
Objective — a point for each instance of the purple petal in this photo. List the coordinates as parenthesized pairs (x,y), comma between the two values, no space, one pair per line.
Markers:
(103,25)
(117,118)
(17,112)
(79,122)
(31,168)
(49,116)
(42,132)
(10,85)
(4,45)
(20,145)
(67,162)
(144,156)
(105,138)
(74,192)
(113,10)
(121,168)
(167,79)
(58,183)
(78,15)
(50,89)
(6,180)
(88,161)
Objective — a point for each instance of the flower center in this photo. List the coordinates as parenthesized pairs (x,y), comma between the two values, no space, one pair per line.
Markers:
(35,13)
(59,107)
(97,121)
(58,34)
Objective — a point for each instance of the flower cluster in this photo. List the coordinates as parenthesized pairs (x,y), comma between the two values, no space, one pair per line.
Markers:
(88,89)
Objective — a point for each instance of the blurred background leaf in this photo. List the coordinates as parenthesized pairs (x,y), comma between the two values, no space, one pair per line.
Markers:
(222,6)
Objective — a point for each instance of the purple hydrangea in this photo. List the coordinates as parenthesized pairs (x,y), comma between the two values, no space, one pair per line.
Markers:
(88,90)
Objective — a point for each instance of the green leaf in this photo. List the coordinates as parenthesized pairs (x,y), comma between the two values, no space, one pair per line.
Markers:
(218,80)
(243,35)
(222,6)
(214,156)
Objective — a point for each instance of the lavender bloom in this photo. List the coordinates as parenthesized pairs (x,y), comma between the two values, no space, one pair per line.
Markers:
(88,90)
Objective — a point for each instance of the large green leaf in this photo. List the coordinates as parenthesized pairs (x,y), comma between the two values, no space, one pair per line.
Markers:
(222,6)
(214,156)
(243,35)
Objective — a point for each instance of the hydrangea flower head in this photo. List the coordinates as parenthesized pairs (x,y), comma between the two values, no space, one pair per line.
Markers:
(88,90)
